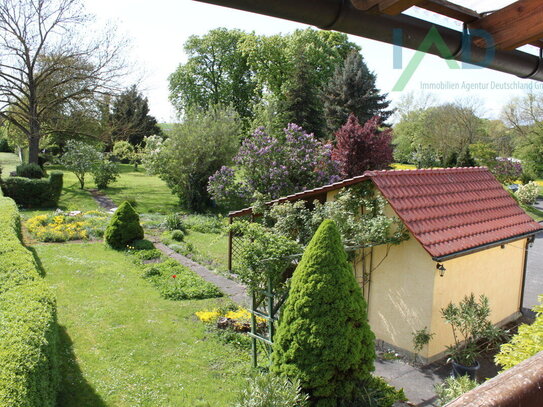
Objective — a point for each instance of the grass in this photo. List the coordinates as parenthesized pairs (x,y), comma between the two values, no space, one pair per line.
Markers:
(398,166)
(213,246)
(122,345)
(151,193)
(9,162)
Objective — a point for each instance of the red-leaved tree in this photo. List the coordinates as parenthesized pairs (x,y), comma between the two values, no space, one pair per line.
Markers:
(360,148)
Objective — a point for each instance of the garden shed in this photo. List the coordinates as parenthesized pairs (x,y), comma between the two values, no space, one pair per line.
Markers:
(466,235)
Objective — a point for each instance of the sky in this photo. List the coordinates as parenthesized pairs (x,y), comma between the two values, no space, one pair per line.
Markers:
(158,29)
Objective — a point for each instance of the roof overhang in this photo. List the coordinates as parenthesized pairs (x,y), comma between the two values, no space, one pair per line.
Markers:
(515,25)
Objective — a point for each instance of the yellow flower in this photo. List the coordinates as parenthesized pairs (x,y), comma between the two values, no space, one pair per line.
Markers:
(207,316)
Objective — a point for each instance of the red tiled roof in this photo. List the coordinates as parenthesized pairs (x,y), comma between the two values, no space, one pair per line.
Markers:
(455,209)
(448,210)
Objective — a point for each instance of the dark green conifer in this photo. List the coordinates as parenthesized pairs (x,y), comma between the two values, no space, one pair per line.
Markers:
(352,89)
(124,227)
(324,338)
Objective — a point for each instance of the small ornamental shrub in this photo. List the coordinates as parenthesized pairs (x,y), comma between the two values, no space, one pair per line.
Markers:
(142,244)
(324,339)
(452,388)
(104,173)
(472,329)
(269,390)
(177,282)
(124,227)
(528,193)
(29,171)
(177,235)
(525,344)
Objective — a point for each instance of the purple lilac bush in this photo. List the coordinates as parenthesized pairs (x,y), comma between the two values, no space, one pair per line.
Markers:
(275,166)
(506,170)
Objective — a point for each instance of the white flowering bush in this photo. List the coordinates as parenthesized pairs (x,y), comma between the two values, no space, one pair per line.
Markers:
(527,193)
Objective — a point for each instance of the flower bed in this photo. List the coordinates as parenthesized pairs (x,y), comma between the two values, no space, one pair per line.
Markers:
(177,282)
(61,227)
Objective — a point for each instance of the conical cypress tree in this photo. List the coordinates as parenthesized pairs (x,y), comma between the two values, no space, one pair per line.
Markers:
(124,227)
(324,338)
(352,89)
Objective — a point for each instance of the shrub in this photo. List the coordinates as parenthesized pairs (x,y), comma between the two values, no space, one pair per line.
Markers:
(177,235)
(527,193)
(34,193)
(149,254)
(29,171)
(473,332)
(452,388)
(525,344)
(174,221)
(177,282)
(506,171)
(323,338)
(29,369)
(104,173)
(268,390)
(124,227)
(4,146)
(142,244)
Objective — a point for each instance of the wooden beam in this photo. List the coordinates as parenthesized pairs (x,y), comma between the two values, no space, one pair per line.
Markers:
(391,7)
(450,10)
(518,24)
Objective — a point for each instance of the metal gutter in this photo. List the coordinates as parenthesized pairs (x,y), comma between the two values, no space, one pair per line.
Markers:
(451,256)
(341,15)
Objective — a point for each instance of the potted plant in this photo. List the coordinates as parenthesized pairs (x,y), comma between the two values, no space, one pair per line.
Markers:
(473,333)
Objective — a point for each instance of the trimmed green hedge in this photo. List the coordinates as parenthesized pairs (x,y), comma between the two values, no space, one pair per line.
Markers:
(34,193)
(29,369)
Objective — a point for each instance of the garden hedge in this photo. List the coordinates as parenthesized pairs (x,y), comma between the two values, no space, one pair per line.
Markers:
(29,369)
(34,193)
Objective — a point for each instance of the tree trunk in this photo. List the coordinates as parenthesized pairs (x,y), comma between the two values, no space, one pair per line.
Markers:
(34,136)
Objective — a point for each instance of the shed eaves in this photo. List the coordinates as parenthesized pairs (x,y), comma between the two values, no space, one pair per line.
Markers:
(448,210)
(455,209)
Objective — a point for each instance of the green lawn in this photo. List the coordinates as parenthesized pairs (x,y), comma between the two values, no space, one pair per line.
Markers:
(122,345)
(8,161)
(213,246)
(151,193)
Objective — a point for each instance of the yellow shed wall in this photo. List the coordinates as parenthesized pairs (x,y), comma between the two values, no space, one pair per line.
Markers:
(496,273)
(400,293)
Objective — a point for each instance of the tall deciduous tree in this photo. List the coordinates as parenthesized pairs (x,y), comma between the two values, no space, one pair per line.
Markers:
(352,89)
(47,65)
(130,119)
(216,73)
(360,148)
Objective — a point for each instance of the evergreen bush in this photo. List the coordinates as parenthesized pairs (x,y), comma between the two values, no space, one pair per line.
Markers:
(124,227)
(29,359)
(31,170)
(34,193)
(324,339)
